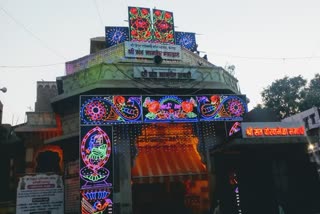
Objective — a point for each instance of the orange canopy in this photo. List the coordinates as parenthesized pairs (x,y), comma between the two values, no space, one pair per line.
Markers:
(157,162)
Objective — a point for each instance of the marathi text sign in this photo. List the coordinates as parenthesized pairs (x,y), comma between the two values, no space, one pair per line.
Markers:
(40,193)
(274,129)
(149,50)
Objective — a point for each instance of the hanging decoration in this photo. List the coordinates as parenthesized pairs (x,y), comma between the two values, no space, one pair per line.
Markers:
(187,40)
(110,109)
(116,35)
(163,26)
(140,25)
(222,107)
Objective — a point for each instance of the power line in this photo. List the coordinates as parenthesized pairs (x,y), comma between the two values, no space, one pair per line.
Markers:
(99,15)
(266,58)
(30,66)
(31,33)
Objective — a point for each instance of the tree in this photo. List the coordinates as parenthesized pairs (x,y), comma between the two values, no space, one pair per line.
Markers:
(312,94)
(285,96)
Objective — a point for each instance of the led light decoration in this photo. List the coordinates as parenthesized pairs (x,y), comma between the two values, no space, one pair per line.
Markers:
(96,201)
(235,128)
(96,167)
(187,40)
(110,109)
(222,107)
(140,26)
(170,108)
(116,35)
(95,152)
(233,180)
(163,26)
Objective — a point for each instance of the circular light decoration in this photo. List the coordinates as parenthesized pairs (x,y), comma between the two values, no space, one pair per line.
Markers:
(94,111)
(186,40)
(236,107)
(116,35)
(95,153)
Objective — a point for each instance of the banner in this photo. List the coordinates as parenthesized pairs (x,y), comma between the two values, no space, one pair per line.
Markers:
(150,50)
(40,193)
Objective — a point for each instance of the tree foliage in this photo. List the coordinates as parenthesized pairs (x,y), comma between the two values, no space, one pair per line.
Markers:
(291,95)
(285,96)
(312,92)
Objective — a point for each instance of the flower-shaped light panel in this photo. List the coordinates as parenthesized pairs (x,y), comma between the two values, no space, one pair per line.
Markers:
(140,25)
(170,108)
(163,26)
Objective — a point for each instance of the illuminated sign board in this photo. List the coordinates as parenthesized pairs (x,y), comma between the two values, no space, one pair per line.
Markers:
(149,50)
(273,129)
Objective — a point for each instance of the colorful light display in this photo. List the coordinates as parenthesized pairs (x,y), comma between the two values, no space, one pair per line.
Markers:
(170,108)
(96,201)
(116,35)
(222,107)
(96,166)
(235,128)
(104,110)
(187,40)
(163,26)
(140,25)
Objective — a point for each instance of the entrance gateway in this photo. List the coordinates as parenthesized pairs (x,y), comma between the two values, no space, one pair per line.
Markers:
(151,152)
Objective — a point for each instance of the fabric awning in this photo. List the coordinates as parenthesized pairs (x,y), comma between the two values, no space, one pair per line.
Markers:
(160,163)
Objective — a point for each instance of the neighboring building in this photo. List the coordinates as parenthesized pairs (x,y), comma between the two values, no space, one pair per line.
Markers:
(311,121)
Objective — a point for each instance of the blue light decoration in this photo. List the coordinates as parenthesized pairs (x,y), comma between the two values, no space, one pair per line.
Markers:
(110,109)
(222,107)
(116,35)
(170,109)
(187,40)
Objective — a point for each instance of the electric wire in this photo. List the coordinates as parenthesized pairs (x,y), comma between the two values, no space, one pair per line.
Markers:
(31,66)
(31,33)
(98,12)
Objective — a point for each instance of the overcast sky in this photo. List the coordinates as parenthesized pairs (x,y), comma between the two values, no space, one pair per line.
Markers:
(265,40)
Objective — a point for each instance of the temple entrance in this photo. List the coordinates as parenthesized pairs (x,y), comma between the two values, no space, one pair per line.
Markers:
(168,175)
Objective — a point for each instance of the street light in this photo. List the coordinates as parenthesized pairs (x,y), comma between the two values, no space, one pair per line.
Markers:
(4,89)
